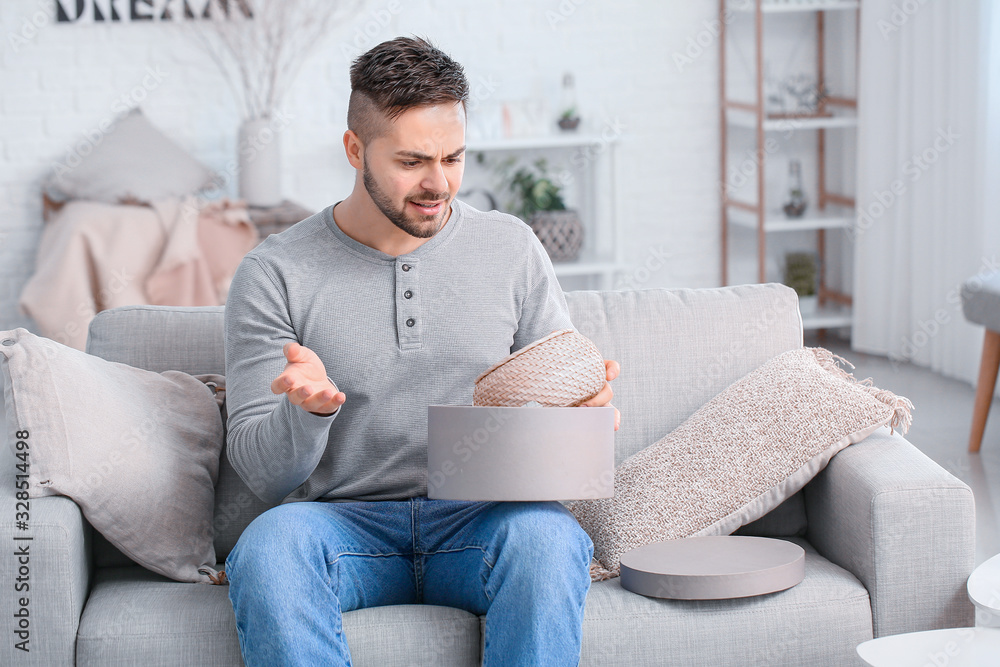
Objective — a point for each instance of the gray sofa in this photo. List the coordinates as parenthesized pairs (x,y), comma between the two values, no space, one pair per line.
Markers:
(888,534)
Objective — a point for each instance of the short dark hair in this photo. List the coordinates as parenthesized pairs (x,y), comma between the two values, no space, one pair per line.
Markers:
(397,75)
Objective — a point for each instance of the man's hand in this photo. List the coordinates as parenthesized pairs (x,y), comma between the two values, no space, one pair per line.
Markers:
(304,380)
(603,397)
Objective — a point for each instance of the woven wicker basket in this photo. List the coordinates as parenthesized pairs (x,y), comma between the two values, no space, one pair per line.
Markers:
(560,232)
(562,369)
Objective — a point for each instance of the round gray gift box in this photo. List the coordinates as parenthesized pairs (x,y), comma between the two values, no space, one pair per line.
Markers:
(713,568)
(533,453)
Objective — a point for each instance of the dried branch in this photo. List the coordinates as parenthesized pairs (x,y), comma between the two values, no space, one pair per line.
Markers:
(260,55)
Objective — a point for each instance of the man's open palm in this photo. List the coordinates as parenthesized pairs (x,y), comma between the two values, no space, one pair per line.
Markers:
(304,380)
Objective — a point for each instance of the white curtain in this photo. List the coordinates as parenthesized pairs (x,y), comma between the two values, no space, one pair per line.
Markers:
(927,177)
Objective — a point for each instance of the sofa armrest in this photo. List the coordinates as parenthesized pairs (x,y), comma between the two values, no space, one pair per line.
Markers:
(901,524)
(57,571)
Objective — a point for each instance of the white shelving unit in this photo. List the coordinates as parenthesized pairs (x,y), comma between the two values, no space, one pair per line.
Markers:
(596,198)
(785,6)
(830,211)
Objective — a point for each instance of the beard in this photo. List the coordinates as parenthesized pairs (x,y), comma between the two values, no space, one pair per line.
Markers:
(417,226)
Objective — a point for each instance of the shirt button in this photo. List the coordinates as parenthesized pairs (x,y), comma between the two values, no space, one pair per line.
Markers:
(410,322)
(407,294)
(406,267)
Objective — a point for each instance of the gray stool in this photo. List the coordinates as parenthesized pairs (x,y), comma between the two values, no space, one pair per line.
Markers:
(981,305)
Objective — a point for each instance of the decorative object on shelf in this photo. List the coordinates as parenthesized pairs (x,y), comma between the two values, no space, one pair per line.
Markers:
(562,369)
(796,96)
(796,204)
(538,201)
(259,56)
(569,117)
(800,274)
(524,118)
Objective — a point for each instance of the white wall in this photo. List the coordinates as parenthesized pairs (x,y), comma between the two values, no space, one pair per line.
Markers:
(61,80)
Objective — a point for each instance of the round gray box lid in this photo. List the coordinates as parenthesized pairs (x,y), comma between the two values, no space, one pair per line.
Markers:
(712,568)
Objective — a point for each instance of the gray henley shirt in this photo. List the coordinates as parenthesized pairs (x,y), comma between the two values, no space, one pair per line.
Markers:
(396,334)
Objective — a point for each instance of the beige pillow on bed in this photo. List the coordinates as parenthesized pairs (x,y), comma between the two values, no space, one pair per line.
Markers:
(739,456)
(137,451)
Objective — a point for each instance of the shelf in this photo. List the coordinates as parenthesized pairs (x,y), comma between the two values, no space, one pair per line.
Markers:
(834,217)
(829,316)
(775,7)
(568,140)
(842,117)
(746,107)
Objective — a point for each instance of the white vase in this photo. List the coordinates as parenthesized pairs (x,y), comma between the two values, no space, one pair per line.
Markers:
(259,157)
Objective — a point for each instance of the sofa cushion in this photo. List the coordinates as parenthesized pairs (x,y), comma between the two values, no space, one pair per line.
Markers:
(981,300)
(136,450)
(694,344)
(819,621)
(136,617)
(739,456)
(160,338)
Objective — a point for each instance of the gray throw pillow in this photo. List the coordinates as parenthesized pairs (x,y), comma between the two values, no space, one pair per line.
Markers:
(130,162)
(137,451)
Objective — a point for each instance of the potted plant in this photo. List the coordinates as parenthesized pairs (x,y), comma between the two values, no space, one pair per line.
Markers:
(800,275)
(569,119)
(537,199)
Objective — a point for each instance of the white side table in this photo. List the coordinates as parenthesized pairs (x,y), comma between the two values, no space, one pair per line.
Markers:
(954,647)
(984,591)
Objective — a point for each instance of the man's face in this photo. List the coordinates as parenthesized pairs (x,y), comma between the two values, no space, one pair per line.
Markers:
(414,170)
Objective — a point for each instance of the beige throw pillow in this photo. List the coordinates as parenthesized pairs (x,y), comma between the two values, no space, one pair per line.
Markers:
(137,451)
(738,456)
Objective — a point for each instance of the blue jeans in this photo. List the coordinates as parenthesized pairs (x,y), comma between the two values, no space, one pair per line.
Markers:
(298,566)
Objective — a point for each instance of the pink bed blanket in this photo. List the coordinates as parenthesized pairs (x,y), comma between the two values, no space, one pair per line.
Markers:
(94,256)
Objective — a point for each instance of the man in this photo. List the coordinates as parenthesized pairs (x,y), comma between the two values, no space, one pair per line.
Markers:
(393,299)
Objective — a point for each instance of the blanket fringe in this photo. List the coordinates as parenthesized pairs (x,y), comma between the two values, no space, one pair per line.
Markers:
(219,579)
(600,573)
(901,406)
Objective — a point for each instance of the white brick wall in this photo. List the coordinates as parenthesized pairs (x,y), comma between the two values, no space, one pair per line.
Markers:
(69,78)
